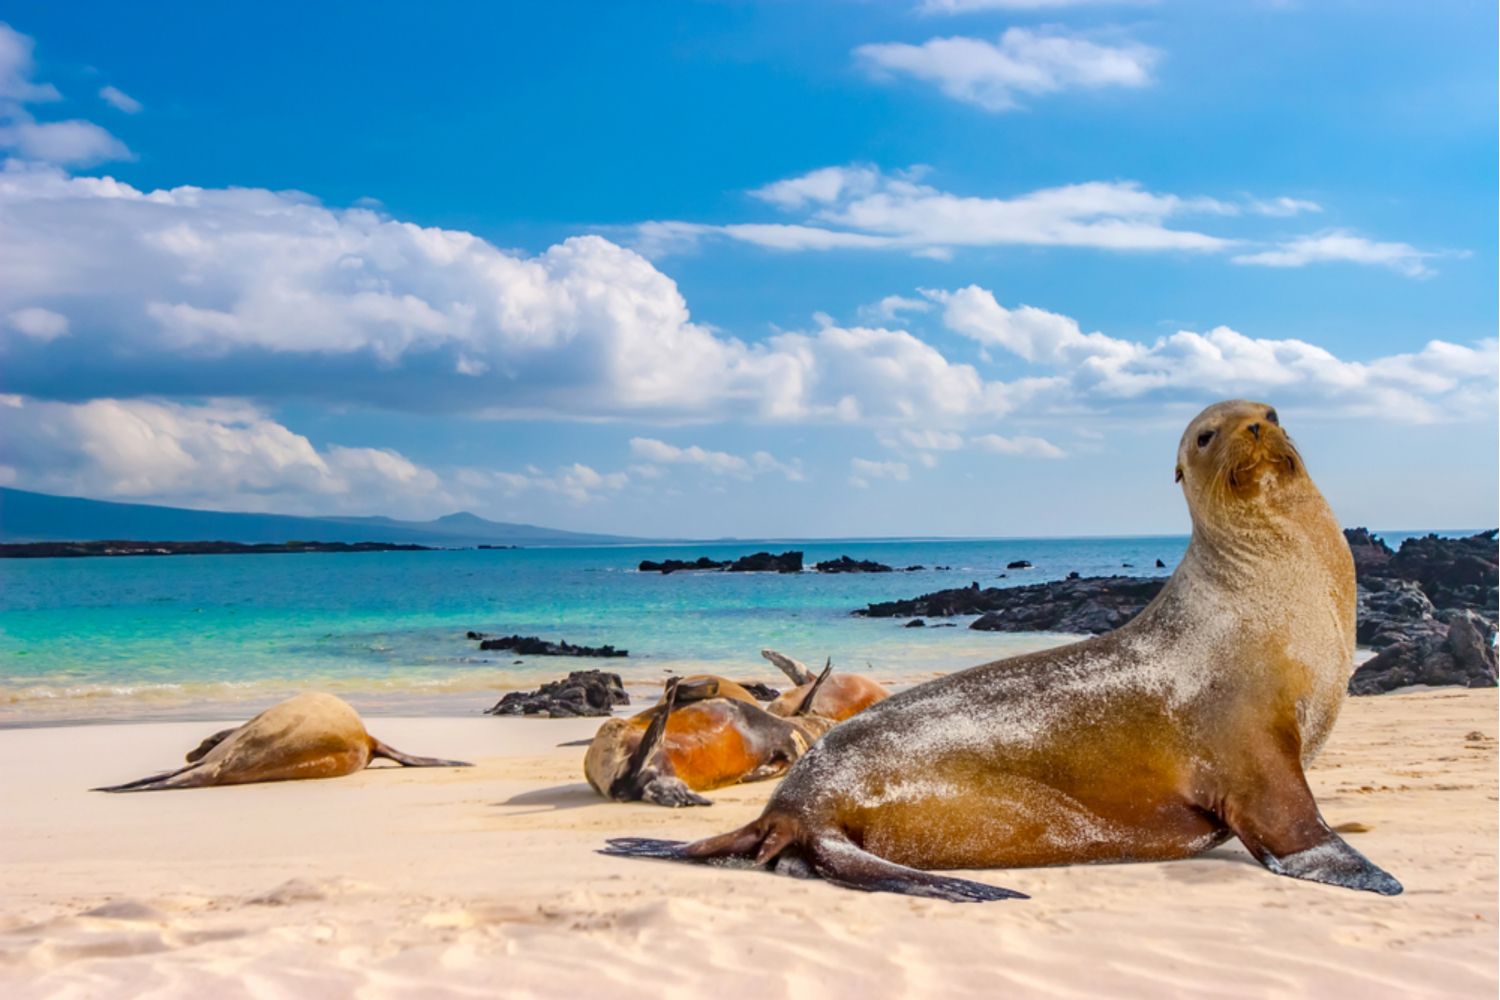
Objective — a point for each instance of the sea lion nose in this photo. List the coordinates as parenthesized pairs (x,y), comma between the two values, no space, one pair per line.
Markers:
(1254,430)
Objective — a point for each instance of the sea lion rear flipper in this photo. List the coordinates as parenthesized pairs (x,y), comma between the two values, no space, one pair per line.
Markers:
(379,749)
(795,670)
(805,707)
(833,858)
(192,776)
(1278,822)
(642,780)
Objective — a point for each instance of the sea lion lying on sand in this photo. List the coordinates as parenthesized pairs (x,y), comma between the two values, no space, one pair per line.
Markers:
(707,732)
(312,735)
(841,697)
(1188,725)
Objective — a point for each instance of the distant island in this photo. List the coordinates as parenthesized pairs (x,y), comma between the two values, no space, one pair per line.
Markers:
(66,550)
(40,517)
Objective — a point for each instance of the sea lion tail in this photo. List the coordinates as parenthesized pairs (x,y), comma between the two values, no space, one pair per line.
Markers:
(379,749)
(779,842)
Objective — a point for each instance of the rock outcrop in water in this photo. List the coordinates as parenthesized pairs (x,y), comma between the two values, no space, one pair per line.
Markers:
(581,693)
(758,562)
(1430,609)
(843,564)
(530,645)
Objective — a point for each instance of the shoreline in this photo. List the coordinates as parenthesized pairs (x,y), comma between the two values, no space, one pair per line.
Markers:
(470,881)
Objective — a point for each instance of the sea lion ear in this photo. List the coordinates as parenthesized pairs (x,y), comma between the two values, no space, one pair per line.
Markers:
(1178,478)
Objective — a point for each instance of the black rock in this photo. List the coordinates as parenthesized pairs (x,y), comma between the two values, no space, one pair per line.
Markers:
(581,693)
(677,565)
(1370,553)
(765,562)
(474,635)
(915,623)
(843,564)
(530,645)
(1074,575)
(1160,564)
(1018,564)
(1463,655)
(914,569)
(1091,604)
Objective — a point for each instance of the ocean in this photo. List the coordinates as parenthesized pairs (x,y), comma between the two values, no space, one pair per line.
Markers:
(220,636)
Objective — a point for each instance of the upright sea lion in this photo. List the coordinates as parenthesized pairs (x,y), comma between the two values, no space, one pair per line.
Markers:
(1156,741)
(841,697)
(672,751)
(312,735)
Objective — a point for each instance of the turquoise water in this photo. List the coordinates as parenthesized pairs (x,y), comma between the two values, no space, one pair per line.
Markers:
(210,636)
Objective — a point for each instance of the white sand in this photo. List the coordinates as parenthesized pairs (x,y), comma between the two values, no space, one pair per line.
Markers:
(483,882)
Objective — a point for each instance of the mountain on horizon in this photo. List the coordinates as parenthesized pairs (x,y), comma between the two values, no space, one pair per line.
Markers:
(26,516)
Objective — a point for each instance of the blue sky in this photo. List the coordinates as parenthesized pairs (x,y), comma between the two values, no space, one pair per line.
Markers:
(961,267)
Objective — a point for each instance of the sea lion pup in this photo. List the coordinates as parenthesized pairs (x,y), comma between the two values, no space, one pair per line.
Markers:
(312,735)
(696,740)
(841,697)
(1156,741)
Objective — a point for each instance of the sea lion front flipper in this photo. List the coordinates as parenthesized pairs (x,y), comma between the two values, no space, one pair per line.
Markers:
(795,670)
(1278,822)
(805,707)
(672,792)
(201,750)
(379,749)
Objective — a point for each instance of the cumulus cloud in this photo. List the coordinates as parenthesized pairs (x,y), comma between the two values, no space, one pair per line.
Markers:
(720,463)
(226,455)
(1341,245)
(119,100)
(271,295)
(891,308)
(1441,381)
(994,75)
(862,470)
(73,142)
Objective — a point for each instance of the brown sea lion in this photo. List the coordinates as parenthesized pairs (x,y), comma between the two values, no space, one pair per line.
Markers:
(690,743)
(1188,725)
(841,697)
(312,735)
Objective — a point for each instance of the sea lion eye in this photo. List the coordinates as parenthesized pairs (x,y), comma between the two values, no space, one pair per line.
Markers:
(1204,438)
(1271,416)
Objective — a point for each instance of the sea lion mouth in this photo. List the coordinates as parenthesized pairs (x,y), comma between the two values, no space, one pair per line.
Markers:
(1255,459)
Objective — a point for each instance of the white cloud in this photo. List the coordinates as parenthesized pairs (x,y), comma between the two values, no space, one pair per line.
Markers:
(576,482)
(119,100)
(861,207)
(271,295)
(862,470)
(892,308)
(1021,445)
(73,142)
(1283,207)
(226,455)
(38,323)
(1340,245)
(993,75)
(1442,381)
(720,463)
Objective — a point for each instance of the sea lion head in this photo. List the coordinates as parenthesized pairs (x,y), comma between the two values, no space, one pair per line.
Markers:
(1235,460)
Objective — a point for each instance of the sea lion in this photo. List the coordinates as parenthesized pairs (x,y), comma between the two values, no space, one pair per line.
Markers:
(312,735)
(696,740)
(842,696)
(1188,725)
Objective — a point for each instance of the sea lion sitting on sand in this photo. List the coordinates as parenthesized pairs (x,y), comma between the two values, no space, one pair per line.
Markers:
(1190,724)
(312,735)
(841,697)
(699,737)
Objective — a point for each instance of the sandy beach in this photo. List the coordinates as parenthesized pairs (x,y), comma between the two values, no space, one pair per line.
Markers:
(484,881)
